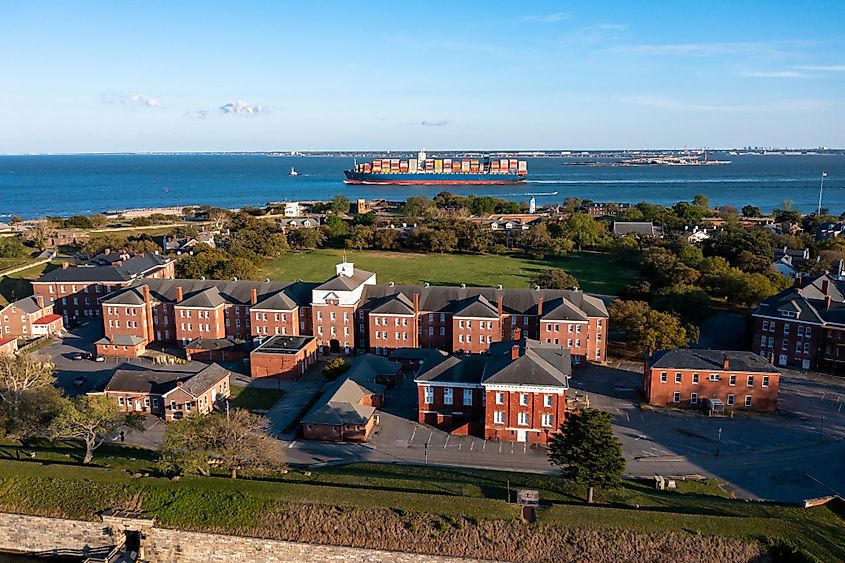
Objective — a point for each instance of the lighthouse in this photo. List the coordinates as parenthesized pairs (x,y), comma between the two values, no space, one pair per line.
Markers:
(532,205)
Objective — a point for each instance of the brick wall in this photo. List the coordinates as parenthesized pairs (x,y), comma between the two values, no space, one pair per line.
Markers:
(763,398)
(340,328)
(390,332)
(474,335)
(512,406)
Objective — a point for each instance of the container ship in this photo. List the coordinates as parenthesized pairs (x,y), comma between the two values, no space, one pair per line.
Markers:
(432,171)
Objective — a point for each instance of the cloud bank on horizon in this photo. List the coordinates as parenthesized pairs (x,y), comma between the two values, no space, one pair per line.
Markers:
(610,74)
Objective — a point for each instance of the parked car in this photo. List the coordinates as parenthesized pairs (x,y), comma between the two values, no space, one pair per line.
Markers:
(99,358)
(78,356)
(80,381)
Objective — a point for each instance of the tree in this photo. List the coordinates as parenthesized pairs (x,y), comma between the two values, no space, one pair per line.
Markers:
(583,229)
(340,204)
(473,237)
(12,247)
(360,237)
(555,279)
(41,233)
(664,268)
(216,264)
(235,441)
(386,239)
(751,211)
(335,368)
(27,396)
(647,330)
(417,206)
(689,214)
(535,238)
(90,419)
(368,219)
(701,201)
(587,452)
(305,238)
(335,230)
(218,218)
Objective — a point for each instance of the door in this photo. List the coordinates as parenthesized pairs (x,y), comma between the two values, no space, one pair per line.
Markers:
(805,364)
(782,359)
(521,435)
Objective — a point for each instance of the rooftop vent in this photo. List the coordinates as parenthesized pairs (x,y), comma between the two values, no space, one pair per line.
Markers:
(427,284)
(499,287)
(463,286)
(390,283)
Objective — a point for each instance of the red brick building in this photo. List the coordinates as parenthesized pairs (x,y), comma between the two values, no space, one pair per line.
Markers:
(76,291)
(803,326)
(8,345)
(283,356)
(29,317)
(517,392)
(694,378)
(168,394)
(351,312)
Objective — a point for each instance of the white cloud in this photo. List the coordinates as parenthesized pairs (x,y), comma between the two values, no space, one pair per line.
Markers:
(824,68)
(547,18)
(774,74)
(140,100)
(435,123)
(240,107)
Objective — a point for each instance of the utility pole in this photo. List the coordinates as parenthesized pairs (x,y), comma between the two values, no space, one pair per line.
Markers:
(821,189)
(719,441)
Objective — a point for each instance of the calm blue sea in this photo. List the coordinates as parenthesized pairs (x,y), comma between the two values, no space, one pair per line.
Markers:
(35,186)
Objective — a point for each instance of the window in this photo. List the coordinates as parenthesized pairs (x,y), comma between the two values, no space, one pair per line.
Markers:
(678,377)
(765,326)
(428,393)
(442,331)
(676,397)
(431,317)
(447,396)
(786,328)
(461,324)
(695,378)
(499,417)
(806,347)
(547,401)
(469,324)
(800,332)
(468,397)
(500,398)
(771,342)
(319,315)
(762,342)
(765,381)
(751,381)
(460,338)
(715,377)
(172,405)
(569,329)
(442,317)
(730,400)
(733,380)
(525,321)
(522,419)
(748,400)
(523,399)
(120,401)
(663,377)
(431,331)
(548,420)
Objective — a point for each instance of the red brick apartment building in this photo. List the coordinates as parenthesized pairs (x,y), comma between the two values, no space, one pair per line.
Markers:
(689,378)
(803,326)
(8,345)
(516,392)
(75,291)
(29,317)
(351,312)
(283,356)
(168,394)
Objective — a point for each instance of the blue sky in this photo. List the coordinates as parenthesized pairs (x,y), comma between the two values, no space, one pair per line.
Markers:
(167,76)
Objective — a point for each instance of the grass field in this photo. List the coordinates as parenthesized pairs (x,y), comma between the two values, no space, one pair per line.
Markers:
(253,398)
(443,501)
(17,285)
(597,273)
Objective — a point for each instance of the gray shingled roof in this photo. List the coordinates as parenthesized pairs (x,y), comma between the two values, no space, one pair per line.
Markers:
(162,382)
(121,340)
(27,305)
(208,298)
(340,404)
(205,379)
(634,228)
(442,367)
(102,270)
(346,283)
(477,307)
(234,292)
(808,302)
(397,304)
(711,360)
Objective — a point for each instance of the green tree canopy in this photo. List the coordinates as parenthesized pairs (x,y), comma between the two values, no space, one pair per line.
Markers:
(647,330)
(583,229)
(90,419)
(555,279)
(587,452)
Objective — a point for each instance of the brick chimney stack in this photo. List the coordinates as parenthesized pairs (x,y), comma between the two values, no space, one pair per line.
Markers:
(254,299)
(515,351)
(500,305)
(179,294)
(725,363)
(65,265)
(40,301)
(416,332)
(539,307)
(107,251)
(825,286)
(148,311)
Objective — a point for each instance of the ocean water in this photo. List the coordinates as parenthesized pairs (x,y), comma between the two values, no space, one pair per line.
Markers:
(63,185)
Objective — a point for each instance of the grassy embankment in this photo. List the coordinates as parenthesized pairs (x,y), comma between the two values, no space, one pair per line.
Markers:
(17,285)
(597,273)
(457,512)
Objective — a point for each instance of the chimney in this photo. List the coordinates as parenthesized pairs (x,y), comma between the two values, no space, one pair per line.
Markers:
(517,334)
(180,384)
(65,265)
(415,334)
(515,351)
(254,299)
(825,286)
(179,294)
(539,307)
(500,305)
(148,310)
(725,362)
(828,300)
(799,278)
(107,251)
(40,301)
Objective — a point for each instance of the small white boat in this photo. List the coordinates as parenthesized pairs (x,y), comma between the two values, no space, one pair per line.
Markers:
(293,172)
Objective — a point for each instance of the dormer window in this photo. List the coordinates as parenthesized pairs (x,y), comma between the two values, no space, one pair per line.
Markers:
(787,313)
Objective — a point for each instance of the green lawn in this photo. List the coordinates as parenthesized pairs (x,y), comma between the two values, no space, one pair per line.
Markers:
(254,398)
(445,499)
(597,273)
(17,285)
(9,263)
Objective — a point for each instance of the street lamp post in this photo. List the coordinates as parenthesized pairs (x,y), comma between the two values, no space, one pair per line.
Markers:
(426,453)
(719,441)
(821,189)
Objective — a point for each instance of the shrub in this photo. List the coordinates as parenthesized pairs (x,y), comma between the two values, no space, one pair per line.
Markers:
(334,368)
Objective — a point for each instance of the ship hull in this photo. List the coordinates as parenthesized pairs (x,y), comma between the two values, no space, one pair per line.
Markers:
(431,179)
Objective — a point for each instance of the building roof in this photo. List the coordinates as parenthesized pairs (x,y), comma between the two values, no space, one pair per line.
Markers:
(645,228)
(476,306)
(211,344)
(395,304)
(346,283)
(107,268)
(283,345)
(711,360)
(47,319)
(442,367)
(121,340)
(207,298)
(28,305)
(162,382)
(807,301)
(340,404)
(4,341)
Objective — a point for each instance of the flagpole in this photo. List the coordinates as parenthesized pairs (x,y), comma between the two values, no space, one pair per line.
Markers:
(821,189)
